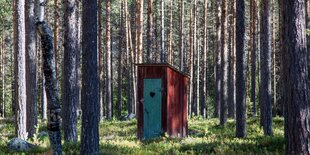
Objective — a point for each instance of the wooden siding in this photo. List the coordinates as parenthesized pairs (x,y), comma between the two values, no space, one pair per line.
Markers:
(174,98)
(151,72)
(177,92)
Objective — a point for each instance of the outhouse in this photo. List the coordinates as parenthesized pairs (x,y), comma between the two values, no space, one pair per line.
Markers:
(162,101)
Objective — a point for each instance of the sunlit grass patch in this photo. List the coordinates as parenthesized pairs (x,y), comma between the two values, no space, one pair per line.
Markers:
(205,137)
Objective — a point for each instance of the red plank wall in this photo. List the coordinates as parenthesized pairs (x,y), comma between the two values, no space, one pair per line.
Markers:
(152,73)
(174,98)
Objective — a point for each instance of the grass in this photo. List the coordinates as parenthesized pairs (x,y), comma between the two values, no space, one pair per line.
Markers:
(205,137)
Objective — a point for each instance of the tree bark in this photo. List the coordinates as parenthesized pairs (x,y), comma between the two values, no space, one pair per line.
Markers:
(100,61)
(31,85)
(240,70)
(51,85)
(204,96)
(2,76)
(128,59)
(194,56)
(108,62)
(13,71)
(224,66)
(170,33)
(139,30)
(120,64)
(149,31)
(296,77)
(78,55)
(308,28)
(280,46)
(265,66)
(181,35)
(162,29)
(191,52)
(133,68)
(56,21)
(3,105)
(20,70)
(69,79)
(274,58)
(253,57)
(90,105)
(232,66)
(218,73)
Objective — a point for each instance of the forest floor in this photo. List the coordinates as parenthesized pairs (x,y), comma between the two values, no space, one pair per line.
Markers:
(205,137)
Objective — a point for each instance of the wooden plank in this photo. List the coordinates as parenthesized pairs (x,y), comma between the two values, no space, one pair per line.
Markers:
(151,72)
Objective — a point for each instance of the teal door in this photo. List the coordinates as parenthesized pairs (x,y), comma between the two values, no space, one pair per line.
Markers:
(152,108)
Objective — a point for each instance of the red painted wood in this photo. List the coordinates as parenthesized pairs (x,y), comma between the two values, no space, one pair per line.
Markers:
(184,111)
(174,98)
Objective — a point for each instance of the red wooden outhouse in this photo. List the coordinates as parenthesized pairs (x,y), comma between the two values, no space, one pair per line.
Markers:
(162,101)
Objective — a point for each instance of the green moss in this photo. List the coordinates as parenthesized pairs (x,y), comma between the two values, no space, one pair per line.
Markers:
(205,137)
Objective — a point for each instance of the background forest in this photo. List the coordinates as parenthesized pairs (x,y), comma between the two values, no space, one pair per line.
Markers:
(198,37)
(121,60)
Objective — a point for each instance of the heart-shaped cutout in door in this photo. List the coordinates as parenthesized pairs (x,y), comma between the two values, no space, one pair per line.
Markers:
(152,94)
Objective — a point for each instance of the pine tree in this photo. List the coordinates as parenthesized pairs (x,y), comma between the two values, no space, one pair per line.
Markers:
(90,105)
(265,67)
(31,84)
(20,70)
(108,81)
(296,77)
(240,70)
(69,79)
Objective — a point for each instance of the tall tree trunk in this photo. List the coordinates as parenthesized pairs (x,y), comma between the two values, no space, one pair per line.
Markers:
(13,71)
(240,70)
(191,52)
(149,31)
(31,84)
(120,64)
(232,94)
(170,33)
(3,106)
(90,105)
(265,57)
(162,29)
(232,73)
(128,59)
(2,76)
(51,83)
(195,55)
(56,21)
(204,96)
(181,35)
(100,61)
(218,74)
(139,30)
(280,46)
(274,59)
(20,70)
(156,39)
(132,66)
(108,62)
(253,57)
(69,79)
(78,56)
(296,77)
(224,64)
(307,5)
